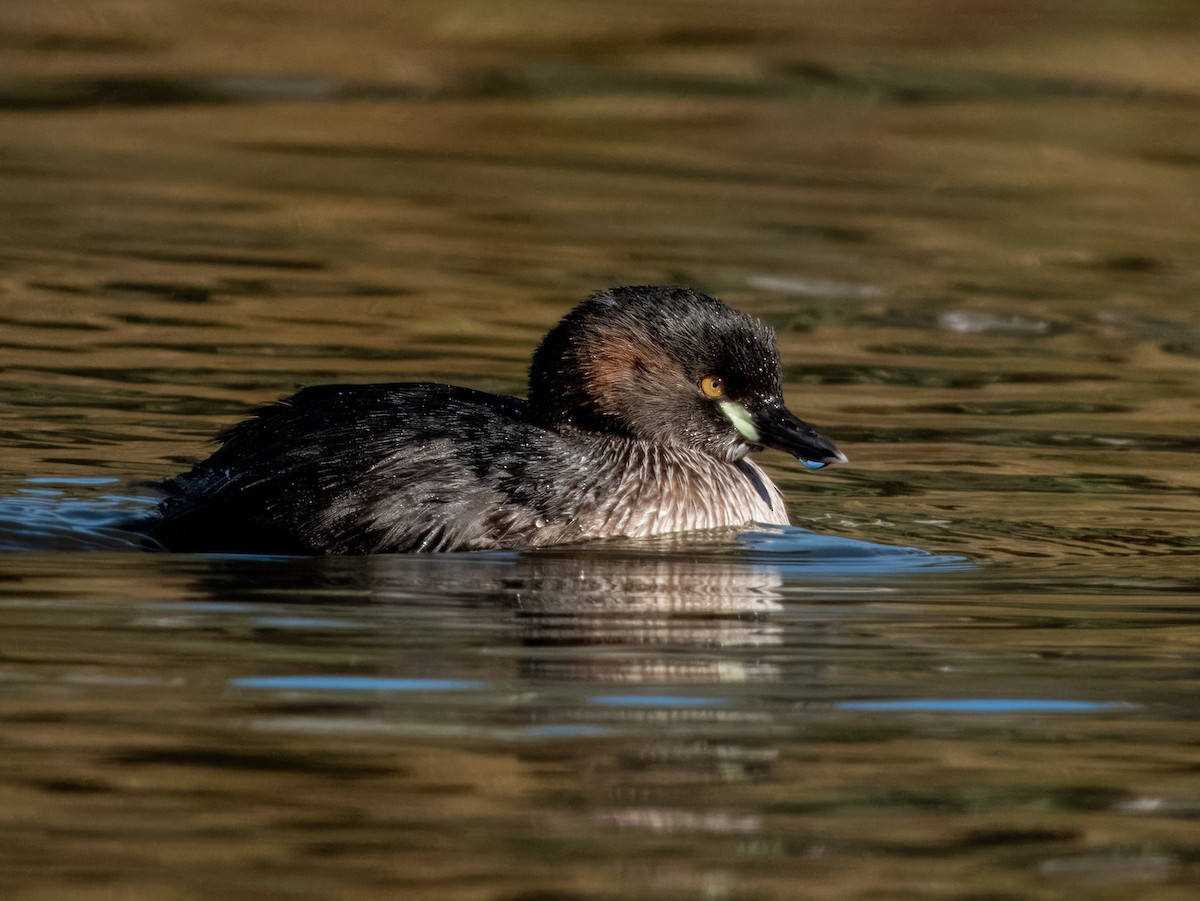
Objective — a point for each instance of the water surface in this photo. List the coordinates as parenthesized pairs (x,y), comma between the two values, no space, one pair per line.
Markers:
(968,672)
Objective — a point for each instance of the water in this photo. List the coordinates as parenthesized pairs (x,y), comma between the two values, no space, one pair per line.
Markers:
(968,672)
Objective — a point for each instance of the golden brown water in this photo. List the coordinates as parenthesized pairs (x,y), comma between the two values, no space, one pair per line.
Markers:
(976,229)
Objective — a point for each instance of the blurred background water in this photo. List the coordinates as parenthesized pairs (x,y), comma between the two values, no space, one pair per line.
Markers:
(969,672)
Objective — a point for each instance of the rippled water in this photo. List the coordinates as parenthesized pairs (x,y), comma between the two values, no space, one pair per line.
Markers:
(968,672)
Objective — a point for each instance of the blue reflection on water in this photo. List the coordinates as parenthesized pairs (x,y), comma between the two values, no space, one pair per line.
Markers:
(299,622)
(68,518)
(983,705)
(799,551)
(657,701)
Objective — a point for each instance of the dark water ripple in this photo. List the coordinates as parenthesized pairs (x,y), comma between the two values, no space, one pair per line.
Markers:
(929,377)
(918,482)
(66,94)
(1019,438)
(803,80)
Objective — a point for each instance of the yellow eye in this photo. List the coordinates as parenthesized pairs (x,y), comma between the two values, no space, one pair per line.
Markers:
(713,386)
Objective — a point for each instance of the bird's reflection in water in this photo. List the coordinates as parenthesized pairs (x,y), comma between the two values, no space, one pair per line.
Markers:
(640,670)
(554,599)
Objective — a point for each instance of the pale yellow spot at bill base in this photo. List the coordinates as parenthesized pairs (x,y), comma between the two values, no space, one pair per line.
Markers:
(737,415)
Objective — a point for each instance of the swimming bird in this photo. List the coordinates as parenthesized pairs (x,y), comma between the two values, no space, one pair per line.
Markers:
(644,404)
